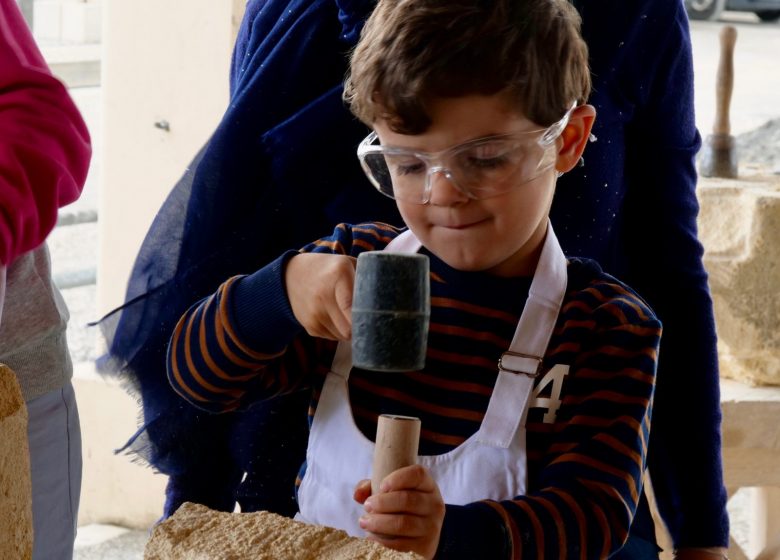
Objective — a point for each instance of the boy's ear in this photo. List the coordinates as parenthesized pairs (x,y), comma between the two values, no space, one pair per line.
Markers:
(574,138)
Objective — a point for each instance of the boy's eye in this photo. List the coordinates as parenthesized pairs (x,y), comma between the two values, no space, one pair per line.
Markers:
(408,167)
(487,163)
(498,154)
(488,150)
(486,156)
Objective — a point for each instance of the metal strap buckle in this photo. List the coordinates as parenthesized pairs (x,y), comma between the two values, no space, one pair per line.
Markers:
(520,355)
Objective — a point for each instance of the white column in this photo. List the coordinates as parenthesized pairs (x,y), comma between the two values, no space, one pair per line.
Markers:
(164,61)
(764,521)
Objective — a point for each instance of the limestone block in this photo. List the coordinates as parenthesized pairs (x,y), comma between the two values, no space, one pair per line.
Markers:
(739,226)
(751,455)
(196,532)
(750,438)
(15,489)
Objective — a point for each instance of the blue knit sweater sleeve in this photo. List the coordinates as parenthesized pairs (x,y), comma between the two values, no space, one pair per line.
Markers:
(684,456)
(640,184)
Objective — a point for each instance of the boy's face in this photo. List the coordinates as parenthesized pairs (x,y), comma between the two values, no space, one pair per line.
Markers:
(501,234)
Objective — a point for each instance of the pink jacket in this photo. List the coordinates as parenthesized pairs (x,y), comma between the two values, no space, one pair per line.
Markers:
(44,144)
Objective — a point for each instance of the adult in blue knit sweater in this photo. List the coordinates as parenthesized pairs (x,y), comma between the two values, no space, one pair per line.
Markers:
(632,207)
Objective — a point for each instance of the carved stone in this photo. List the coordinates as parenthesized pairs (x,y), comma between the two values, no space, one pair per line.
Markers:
(16,538)
(195,531)
(739,226)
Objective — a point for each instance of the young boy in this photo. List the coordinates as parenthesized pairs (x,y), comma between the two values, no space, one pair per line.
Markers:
(476,108)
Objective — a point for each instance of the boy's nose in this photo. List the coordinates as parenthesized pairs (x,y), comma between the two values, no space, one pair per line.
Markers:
(443,189)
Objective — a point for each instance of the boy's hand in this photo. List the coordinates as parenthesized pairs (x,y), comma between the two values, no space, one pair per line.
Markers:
(319,287)
(407,514)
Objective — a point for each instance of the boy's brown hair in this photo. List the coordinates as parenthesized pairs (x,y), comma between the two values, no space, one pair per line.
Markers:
(412,51)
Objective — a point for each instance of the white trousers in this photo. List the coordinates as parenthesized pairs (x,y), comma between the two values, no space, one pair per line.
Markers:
(55,463)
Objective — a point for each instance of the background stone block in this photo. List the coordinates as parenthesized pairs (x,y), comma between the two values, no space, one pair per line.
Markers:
(739,225)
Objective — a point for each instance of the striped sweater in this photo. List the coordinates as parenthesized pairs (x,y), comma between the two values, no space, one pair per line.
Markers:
(585,456)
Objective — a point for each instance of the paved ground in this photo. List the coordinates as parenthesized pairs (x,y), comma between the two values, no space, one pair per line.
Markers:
(74,247)
(108,542)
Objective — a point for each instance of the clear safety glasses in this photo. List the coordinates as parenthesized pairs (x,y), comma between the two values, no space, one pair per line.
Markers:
(480,168)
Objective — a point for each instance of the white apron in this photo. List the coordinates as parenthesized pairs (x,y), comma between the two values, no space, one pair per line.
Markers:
(491,464)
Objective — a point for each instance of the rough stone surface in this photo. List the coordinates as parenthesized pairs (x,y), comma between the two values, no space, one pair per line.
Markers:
(739,226)
(195,532)
(16,536)
(751,441)
(761,145)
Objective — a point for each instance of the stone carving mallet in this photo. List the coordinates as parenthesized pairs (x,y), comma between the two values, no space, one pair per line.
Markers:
(390,317)
(719,153)
(390,311)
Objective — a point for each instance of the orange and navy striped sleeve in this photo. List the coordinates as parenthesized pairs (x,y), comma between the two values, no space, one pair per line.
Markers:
(236,346)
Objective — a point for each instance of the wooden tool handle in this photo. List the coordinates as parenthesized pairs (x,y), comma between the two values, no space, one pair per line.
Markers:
(725,81)
(397,441)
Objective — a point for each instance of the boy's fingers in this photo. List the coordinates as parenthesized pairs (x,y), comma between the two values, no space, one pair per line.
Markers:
(341,324)
(392,526)
(324,327)
(343,296)
(362,491)
(414,477)
(411,502)
(319,288)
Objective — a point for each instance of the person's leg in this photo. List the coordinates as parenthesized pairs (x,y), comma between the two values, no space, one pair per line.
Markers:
(2,289)
(55,466)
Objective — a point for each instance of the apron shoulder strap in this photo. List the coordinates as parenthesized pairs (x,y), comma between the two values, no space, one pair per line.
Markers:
(521,364)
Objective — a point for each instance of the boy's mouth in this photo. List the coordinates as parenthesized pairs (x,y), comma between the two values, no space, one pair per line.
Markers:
(462,225)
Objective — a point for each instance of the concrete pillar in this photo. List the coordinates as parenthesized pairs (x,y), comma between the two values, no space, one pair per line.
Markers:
(764,526)
(114,489)
(164,61)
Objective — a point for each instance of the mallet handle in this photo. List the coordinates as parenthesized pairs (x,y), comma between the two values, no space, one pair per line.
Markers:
(397,441)
(725,81)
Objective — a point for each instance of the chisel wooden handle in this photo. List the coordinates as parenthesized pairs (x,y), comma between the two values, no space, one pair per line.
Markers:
(397,441)
(725,81)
